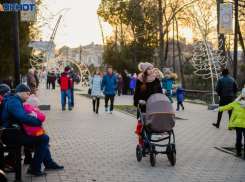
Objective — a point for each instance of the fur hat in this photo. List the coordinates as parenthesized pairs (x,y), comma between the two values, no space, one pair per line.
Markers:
(144,66)
(32,100)
(167,71)
(4,89)
(243,92)
(22,88)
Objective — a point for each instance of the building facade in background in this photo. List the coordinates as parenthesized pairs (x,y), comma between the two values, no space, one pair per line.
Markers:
(89,54)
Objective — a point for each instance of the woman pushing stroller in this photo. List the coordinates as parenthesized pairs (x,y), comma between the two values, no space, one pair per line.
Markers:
(155,115)
(146,85)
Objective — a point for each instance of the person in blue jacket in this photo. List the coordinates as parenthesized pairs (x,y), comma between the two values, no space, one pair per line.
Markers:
(14,115)
(108,87)
(180,97)
(132,84)
(167,82)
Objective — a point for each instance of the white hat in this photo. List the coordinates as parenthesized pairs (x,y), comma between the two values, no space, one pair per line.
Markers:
(243,92)
(32,100)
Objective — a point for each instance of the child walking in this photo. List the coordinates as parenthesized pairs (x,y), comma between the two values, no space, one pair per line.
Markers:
(31,107)
(237,121)
(180,92)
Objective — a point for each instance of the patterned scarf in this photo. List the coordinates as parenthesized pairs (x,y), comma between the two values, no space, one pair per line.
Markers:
(150,78)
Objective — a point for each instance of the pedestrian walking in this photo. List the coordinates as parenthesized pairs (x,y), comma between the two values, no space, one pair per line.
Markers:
(73,77)
(132,85)
(65,83)
(180,92)
(125,82)
(120,85)
(108,87)
(146,85)
(52,79)
(35,75)
(31,82)
(226,88)
(95,84)
(237,120)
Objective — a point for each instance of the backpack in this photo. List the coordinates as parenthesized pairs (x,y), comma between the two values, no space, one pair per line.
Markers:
(1,108)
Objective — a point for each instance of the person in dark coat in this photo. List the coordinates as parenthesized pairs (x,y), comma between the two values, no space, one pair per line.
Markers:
(120,85)
(35,76)
(180,92)
(52,79)
(73,76)
(31,82)
(226,88)
(146,85)
(125,82)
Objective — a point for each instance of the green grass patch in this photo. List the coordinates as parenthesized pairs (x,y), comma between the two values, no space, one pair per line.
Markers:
(89,96)
(76,89)
(233,150)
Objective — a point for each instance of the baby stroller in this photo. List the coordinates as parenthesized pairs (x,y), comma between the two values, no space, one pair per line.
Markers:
(158,119)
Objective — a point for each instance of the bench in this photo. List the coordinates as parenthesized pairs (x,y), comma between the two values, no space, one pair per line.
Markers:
(16,148)
(201,95)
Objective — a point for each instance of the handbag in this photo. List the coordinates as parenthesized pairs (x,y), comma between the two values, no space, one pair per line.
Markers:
(90,89)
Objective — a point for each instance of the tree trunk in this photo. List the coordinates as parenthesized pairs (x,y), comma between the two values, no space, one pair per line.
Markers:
(166,50)
(160,14)
(179,52)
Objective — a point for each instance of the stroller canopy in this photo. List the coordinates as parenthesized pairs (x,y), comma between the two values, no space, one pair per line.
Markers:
(160,116)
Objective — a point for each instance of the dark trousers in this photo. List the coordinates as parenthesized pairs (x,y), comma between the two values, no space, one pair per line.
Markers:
(42,153)
(224,101)
(125,90)
(72,97)
(119,91)
(111,97)
(53,85)
(239,132)
(178,104)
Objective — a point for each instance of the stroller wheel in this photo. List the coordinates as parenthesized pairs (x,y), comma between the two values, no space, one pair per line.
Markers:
(173,158)
(139,152)
(152,159)
(168,149)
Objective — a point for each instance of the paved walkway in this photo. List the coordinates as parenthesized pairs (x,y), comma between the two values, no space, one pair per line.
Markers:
(102,147)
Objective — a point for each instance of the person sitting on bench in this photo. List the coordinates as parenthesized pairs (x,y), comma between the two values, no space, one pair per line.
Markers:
(14,115)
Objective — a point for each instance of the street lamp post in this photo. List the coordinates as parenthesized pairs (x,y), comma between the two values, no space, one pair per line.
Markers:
(235,41)
(16,48)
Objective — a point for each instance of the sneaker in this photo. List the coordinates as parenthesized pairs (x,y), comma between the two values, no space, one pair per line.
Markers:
(214,124)
(70,108)
(111,112)
(54,165)
(106,109)
(63,109)
(177,109)
(183,108)
(35,172)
